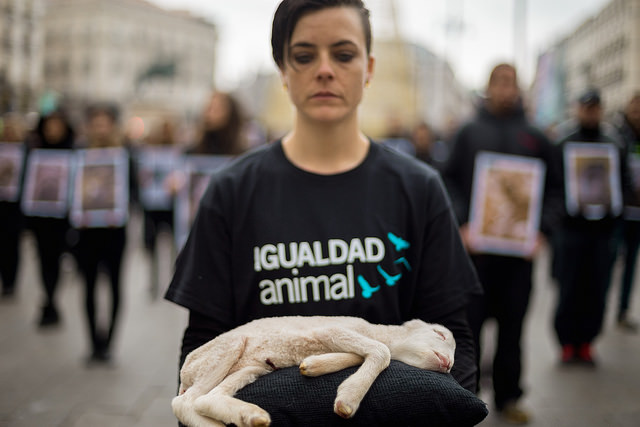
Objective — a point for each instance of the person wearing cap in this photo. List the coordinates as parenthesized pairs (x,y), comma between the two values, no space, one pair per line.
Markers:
(593,162)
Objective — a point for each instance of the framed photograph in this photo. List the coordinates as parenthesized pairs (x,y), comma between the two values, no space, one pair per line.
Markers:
(592,179)
(153,166)
(506,203)
(11,164)
(47,183)
(101,188)
(198,170)
(632,210)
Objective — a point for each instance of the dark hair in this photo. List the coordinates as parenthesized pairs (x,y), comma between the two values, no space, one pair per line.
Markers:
(501,67)
(69,136)
(289,13)
(226,140)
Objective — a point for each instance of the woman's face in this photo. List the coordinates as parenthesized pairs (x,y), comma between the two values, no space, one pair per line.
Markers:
(217,113)
(326,64)
(54,130)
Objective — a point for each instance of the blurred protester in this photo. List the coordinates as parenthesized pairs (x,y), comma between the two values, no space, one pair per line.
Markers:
(397,137)
(629,128)
(588,233)
(158,214)
(101,246)
(501,127)
(13,131)
(221,127)
(429,148)
(53,132)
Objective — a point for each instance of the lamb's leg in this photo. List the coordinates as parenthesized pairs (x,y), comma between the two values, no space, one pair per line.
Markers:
(220,404)
(376,358)
(203,369)
(321,364)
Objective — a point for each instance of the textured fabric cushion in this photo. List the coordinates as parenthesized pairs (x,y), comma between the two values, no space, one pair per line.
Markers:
(401,396)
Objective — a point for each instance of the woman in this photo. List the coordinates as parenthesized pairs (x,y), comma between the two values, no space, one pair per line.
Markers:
(101,245)
(53,132)
(220,132)
(325,222)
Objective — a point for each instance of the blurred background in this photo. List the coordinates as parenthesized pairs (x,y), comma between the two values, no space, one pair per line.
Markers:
(157,58)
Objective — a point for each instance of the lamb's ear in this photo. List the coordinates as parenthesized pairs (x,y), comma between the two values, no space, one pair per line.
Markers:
(414,324)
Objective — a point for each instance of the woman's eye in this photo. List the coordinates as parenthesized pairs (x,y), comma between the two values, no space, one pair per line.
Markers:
(344,56)
(302,58)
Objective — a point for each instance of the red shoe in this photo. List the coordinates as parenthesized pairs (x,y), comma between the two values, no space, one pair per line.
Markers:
(585,354)
(568,353)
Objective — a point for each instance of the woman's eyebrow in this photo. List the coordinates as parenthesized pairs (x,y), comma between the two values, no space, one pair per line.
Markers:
(311,45)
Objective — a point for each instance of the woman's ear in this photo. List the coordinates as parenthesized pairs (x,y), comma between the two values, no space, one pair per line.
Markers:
(283,79)
(371,62)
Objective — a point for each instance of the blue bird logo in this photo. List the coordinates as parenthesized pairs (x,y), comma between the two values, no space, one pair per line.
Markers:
(398,242)
(367,289)
(389,279)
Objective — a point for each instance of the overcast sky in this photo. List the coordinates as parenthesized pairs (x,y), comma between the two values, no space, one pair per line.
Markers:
(483,34)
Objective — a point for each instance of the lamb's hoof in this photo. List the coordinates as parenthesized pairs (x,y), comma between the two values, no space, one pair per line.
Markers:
(303,368)
(342,409)
(260,422)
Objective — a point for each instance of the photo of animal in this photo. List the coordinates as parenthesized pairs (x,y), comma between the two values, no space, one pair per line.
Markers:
(214,372)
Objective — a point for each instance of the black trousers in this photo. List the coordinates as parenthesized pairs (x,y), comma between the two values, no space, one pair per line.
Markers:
(584,277)
(631,244)
(50,235)
(101,247)
(507,283)
(11,222)
(153,222)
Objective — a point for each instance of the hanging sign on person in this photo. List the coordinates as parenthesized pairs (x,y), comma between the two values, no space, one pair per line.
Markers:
(197,173)
(101,188)
(47,183)
(632,209)
(592,182)
(154,165)
(11,163)
(506,203)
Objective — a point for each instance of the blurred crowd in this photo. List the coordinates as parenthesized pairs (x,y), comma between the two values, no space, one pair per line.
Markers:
(75,186)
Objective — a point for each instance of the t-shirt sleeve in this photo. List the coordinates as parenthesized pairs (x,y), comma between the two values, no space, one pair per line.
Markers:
(446,279)
(202,277)
(446,276)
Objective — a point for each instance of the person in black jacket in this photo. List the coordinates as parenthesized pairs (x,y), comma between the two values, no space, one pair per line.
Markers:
(53,132)
(501,127)
(595,191)
(629,128)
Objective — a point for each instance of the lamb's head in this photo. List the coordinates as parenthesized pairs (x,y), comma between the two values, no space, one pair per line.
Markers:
(426,346)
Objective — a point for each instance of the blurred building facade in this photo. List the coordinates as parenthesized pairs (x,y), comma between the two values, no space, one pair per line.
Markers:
(602,52)
(21,54)
(148,60)
(410,84)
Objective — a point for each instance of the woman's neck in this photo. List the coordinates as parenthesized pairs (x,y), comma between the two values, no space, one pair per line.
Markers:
(325,149)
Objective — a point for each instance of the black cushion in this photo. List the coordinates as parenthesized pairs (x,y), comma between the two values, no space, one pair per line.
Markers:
(401,396)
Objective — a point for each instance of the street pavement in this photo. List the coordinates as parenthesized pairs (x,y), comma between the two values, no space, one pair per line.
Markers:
(46,381)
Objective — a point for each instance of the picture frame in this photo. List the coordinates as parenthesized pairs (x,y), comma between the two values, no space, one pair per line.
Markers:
(11,168)
(47,184)
(506,203)
(197,170)
(632,209)
(592,179)
(153,167)
(101,188)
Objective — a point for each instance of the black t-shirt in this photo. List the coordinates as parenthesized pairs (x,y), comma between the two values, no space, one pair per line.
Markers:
(379,242)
